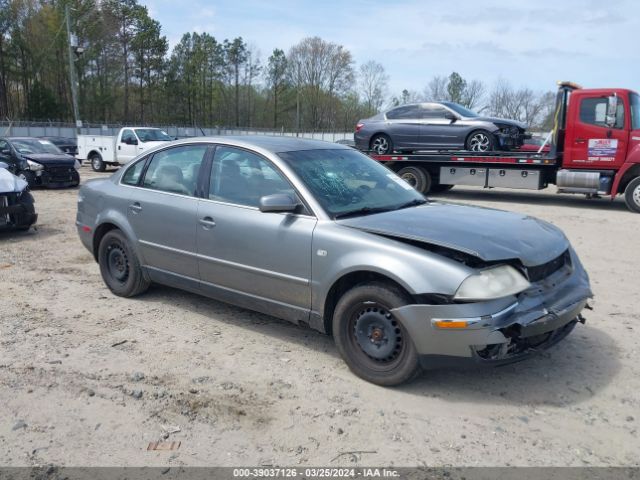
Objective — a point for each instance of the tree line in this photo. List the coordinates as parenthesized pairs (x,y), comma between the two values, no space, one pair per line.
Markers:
(127,73)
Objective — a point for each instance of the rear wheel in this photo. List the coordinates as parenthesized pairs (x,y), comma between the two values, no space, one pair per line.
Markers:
(375,346)
(480,141)
(417,177)
(381,144)
(97,164)
(119,266)
(632,195)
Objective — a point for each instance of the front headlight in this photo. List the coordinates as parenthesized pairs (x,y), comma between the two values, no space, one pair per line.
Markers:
(35,166)
(495,282)
(76,165)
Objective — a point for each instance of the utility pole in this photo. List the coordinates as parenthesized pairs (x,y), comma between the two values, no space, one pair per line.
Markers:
(72,70)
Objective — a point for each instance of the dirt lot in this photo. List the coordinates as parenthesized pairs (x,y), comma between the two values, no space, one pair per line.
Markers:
(87,378)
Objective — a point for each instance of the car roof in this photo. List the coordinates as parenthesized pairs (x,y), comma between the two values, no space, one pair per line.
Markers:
(273,144)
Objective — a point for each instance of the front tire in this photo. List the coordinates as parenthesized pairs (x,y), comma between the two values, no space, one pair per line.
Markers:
(381,144)
(417,177)
(480,141)
(632,195)
(374,345)
(119,266)
(97,164)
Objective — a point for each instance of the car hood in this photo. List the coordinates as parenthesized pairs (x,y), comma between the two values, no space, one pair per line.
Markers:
(506,121)
(9,183)
(50,158)
(488,234)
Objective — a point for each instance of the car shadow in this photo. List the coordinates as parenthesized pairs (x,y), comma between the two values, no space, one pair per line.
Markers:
(560,200)
(572,371)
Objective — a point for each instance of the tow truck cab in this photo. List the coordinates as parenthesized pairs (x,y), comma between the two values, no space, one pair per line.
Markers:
(601,145)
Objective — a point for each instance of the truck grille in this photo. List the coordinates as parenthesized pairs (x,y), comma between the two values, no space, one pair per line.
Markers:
(540,272)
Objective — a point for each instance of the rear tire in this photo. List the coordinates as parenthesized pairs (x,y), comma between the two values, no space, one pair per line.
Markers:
(632,195)
(417,177)
(480,141)
(97,164)
(381,144)
(119,266)
(374,345)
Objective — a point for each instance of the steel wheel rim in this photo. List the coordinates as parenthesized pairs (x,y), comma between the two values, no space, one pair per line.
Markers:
(376,335)
(410,178)
(117,263)
(636,195)
(479,142)
(95,162)
(380,145)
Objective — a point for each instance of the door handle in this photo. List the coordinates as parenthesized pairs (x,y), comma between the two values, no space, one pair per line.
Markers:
(135,207)
(581,140)
(207,223)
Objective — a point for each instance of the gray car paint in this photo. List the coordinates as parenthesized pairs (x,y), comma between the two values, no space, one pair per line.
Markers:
(537,242)
(292,278)
(435,133)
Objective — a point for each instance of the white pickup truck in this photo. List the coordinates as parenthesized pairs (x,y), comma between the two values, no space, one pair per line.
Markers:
(103,150)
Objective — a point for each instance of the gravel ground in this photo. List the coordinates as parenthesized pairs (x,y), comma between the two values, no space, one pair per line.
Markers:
(87,378)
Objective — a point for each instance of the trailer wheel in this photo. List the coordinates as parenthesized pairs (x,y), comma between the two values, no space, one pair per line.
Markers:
(381,144)
(97,164)
(417,177)
(632,195)
(480,141)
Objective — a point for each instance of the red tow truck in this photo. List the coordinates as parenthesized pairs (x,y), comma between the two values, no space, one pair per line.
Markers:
(594,150)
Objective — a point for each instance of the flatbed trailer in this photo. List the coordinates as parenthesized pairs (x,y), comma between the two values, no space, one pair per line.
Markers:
(594,150)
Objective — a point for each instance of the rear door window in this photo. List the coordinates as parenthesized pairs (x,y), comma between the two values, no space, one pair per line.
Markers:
(175,170)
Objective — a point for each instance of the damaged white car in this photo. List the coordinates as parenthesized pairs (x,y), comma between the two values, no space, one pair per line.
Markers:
(17,210)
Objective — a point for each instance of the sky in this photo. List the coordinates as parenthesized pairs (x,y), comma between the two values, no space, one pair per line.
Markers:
(527,43)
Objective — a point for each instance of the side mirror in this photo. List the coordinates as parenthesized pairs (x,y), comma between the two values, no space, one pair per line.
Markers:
(278,202)
(4,165)
(450,116)
(612,111)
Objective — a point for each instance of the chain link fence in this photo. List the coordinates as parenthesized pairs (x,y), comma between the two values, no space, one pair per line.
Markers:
(60,129)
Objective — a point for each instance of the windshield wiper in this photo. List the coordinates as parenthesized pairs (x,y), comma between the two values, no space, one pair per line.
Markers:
(361,211)
(413,203)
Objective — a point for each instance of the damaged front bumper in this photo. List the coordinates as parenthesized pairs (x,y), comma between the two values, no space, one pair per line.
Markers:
(503,330)
(511,138)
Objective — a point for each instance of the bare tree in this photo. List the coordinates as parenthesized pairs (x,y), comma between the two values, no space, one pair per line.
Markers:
(322,71)
(473,94)
(519,104)
(373,85)
(436,90)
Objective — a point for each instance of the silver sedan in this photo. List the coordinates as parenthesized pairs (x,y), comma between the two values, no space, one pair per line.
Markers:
(322,235)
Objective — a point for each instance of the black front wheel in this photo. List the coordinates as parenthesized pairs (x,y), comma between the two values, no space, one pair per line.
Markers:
(119,266)
(373,343)
(97,164)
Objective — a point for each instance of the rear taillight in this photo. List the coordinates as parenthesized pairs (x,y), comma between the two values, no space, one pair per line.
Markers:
(359,127)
